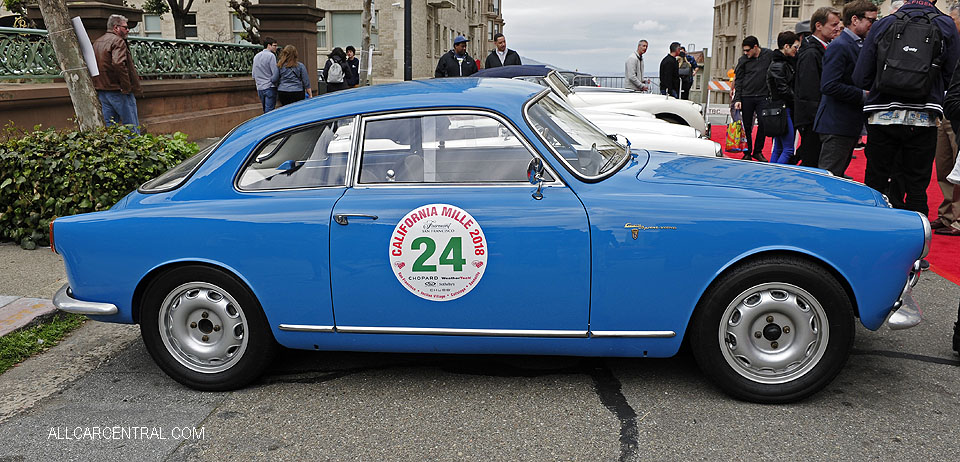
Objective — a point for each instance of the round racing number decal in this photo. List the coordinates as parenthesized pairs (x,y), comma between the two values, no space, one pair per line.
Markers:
(438,252)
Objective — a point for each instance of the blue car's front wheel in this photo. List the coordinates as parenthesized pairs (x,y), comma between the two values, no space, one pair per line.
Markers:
(773,330)
(205,329)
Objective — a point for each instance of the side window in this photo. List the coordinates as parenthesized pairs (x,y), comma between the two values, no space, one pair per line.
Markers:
(315,156)
(442,149)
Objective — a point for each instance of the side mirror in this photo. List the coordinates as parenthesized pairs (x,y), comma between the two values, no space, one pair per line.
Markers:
(535,176)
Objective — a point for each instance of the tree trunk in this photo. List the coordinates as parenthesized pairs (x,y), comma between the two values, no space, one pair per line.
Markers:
(79,83)
(365,55)
(179,11)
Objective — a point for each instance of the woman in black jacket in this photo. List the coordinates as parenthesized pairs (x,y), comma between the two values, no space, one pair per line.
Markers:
(780,76)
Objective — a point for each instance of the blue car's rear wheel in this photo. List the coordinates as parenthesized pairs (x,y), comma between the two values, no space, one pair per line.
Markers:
(205,329)
(774,330)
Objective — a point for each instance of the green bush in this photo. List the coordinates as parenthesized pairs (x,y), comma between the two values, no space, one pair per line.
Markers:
(47,173)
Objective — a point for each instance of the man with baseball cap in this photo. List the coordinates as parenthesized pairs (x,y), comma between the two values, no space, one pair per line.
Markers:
(456,62)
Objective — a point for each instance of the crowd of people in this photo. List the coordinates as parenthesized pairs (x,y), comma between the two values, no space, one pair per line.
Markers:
(845,74)
(285,79)
(677,70)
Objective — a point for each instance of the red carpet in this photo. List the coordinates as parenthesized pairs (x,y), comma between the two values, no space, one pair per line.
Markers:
(944,255)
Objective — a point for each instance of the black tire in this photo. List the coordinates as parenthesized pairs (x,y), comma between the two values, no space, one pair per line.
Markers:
(213,336)
(788,301)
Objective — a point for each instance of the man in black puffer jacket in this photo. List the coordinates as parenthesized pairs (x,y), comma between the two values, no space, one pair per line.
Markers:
(825,25)
(750,92)
(456,62)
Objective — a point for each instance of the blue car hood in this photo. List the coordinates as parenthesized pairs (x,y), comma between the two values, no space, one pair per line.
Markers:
(737,178)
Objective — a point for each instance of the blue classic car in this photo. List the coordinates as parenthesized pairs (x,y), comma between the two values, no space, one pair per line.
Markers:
(487,216)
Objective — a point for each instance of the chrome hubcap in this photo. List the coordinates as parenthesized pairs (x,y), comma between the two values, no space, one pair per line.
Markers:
(203,327)
(773,333)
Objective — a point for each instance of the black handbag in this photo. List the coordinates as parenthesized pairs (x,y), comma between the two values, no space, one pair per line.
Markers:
(773,118)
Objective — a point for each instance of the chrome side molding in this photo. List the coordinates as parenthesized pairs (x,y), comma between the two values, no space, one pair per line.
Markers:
(305,328)
(481,332)
(634,333)
(466,332)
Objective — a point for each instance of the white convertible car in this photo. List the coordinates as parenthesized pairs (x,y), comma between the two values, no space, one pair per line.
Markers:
(651,122)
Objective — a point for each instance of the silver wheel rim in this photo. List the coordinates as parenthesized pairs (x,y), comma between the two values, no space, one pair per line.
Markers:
(203,327)
(773,333)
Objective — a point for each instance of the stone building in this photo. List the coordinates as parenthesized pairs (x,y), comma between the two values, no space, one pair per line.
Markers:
(733,20)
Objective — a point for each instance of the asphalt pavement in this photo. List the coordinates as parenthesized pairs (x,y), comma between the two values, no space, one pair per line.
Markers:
(99,396)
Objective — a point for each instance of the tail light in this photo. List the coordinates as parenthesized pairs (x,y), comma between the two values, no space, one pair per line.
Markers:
(52,247)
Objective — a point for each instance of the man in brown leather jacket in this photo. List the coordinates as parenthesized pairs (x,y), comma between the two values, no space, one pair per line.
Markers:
(118,81)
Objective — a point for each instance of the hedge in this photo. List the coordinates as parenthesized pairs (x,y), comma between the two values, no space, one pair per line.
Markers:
(47,173)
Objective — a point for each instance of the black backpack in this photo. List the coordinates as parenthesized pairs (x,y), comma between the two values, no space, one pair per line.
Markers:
(909,55)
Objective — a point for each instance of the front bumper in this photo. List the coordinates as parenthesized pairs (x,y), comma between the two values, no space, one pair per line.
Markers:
(906,312)
(64,301)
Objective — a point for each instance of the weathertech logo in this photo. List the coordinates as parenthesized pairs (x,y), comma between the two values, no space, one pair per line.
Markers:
(908,48)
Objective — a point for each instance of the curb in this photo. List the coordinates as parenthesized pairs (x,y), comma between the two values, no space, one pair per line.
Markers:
(17,313)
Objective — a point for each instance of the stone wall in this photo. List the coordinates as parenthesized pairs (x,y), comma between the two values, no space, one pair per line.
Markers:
(200,108)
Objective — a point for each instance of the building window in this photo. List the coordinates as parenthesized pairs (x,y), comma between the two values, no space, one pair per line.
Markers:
(374,28)
(152,26)
(346,29)
(496,6)
(322,34)
(190,25)
(436,39)
(791,8)
(429,38)
(489,31)
(238,30)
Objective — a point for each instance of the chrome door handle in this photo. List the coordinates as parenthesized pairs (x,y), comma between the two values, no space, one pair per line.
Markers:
(341,218)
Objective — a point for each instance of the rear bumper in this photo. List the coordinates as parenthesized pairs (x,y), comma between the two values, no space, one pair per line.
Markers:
(64,301)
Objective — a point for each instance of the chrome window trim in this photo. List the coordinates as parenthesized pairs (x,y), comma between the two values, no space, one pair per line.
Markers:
(450,185)
(633,333)
(463,332)
(358,153)
(305,328)
(264,141)
(556,155)
(213,149)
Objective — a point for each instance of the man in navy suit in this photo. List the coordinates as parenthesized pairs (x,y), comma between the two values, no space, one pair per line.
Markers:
(839,119)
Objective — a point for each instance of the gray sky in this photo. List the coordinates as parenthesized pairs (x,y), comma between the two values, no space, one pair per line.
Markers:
(596,36)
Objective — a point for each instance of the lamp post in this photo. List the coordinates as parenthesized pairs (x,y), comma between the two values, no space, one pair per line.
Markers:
(407,40)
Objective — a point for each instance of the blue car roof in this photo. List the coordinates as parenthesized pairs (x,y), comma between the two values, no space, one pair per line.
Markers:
(501,95)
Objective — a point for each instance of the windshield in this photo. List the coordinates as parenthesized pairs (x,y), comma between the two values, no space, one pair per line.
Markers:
(582,146)
(173,177)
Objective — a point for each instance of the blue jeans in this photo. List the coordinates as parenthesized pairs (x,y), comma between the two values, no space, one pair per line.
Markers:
(783,145)
(268,98)
(119,108)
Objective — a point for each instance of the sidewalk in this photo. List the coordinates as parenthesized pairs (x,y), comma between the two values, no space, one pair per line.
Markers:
(28,281)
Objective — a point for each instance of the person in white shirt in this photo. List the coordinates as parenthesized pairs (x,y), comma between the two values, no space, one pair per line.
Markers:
(501,56)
